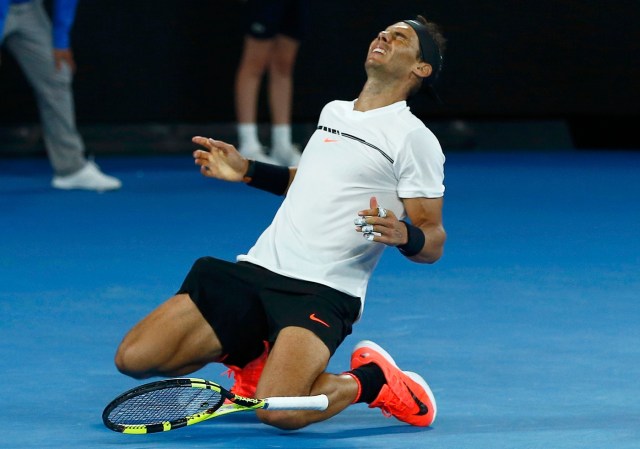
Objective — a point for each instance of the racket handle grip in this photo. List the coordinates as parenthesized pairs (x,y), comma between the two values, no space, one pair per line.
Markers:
(319,402)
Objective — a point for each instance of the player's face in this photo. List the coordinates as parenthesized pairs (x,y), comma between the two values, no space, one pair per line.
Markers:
(398,45)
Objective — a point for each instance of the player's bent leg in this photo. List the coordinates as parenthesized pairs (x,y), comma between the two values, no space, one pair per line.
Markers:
(295,367)
(173,340)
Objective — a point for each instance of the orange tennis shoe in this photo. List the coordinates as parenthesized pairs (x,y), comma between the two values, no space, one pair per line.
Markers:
(246,378)
(406,395)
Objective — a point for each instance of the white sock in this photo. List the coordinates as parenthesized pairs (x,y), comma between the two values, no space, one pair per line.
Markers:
(280,136)
(248,136)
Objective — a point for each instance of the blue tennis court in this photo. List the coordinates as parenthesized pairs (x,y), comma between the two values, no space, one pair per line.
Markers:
(528,329)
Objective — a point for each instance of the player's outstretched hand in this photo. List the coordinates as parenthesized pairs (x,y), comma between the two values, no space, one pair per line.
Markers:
(219,159)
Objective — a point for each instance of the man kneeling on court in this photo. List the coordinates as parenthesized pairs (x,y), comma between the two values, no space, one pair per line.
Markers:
(277,315)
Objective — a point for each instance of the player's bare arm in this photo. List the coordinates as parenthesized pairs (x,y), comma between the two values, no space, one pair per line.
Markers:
(383,226)
(426,214)
(223,161)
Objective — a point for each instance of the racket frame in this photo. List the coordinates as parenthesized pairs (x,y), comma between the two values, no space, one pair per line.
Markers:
(234,403)
(164,426)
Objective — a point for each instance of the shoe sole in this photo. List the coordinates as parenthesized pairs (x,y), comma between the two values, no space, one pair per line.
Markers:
(62,184)
(94,189)
(417,378)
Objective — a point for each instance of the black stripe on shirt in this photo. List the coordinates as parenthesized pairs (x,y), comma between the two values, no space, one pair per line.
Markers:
(357,139)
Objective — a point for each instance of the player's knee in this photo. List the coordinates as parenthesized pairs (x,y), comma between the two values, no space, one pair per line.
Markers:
(128,362)
(282,419)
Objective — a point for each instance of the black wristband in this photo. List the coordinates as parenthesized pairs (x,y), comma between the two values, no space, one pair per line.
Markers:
(415,241)
(251,168)
(267,177)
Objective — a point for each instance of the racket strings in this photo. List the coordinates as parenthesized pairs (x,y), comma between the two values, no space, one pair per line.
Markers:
(169,404)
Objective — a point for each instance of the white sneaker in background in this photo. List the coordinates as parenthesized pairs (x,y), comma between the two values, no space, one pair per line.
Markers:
(287,155)
(257,154)
(89,178)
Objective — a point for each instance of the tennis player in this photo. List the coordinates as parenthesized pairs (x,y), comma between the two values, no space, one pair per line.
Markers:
(370,177)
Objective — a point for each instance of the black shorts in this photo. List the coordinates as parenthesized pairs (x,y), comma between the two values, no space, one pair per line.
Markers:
(267,18)
(246,304)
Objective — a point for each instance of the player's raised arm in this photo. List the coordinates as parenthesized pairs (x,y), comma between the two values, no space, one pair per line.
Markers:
(221,160)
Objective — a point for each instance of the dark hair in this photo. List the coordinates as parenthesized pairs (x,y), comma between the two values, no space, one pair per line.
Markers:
(435,32)
(432,45)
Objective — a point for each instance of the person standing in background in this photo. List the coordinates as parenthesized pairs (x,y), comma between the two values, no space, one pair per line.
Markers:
(43,51)
(275,30)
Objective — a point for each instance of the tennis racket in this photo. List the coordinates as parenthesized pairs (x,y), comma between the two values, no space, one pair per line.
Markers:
(173,403)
